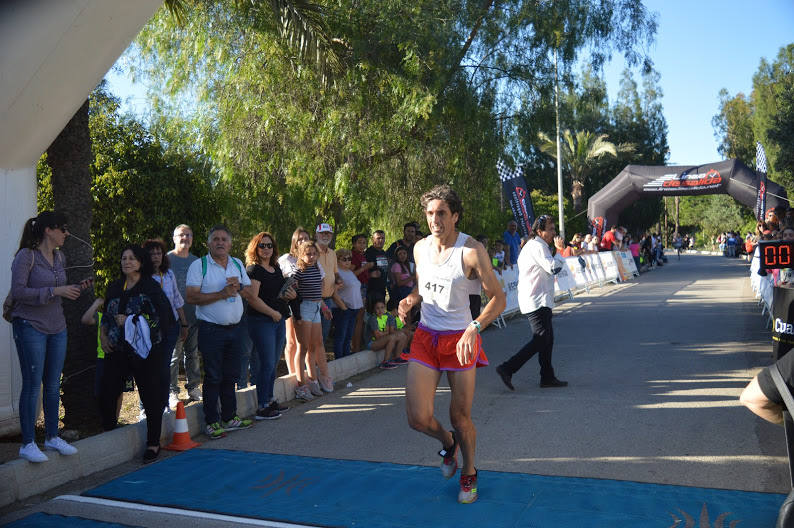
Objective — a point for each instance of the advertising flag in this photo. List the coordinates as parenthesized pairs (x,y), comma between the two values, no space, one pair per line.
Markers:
(760,168)
(515,188)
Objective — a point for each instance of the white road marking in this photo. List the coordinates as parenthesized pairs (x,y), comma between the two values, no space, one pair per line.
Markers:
(178,511)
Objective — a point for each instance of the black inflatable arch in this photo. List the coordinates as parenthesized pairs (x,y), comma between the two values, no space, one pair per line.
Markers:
(640,181)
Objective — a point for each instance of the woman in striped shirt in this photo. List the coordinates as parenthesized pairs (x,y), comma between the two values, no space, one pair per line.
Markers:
(309,330)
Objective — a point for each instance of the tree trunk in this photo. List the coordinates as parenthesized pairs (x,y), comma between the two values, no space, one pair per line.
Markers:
(70,159)
(576,195)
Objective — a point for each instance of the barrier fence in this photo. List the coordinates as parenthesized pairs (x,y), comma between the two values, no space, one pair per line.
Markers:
(578,274)
(763,287)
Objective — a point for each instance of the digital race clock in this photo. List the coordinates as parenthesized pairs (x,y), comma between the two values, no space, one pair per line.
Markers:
(776,254)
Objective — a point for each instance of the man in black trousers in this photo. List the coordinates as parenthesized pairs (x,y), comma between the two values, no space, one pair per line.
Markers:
(536,270)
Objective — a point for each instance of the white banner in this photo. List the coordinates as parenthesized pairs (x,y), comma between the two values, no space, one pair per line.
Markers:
(628,262)
(577,272)
(610,267)
(595,269)
(509,281)
(563,281)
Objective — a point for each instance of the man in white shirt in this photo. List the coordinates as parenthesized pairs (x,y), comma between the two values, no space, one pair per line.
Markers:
(536,270)
(215,284)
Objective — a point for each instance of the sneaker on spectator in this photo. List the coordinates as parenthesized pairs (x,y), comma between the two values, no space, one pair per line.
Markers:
(194,394)
(315,389)
(303,393)
(236,423)
(449,464)
(277,406)
(468,488)
(32,453)
(142,415)
(387,365)
(268,413)
(56,443)
(173,400)
(215,431)
(327,384)
(399,361)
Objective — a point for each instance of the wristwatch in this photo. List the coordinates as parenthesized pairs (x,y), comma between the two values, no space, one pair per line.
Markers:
(476,324)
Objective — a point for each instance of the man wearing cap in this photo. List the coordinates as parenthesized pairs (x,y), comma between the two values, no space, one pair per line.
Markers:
(327,261)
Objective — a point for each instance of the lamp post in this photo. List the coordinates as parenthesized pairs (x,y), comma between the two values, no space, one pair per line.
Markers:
(560,203)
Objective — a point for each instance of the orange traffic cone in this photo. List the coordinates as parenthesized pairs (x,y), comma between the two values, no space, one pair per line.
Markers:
(181,440)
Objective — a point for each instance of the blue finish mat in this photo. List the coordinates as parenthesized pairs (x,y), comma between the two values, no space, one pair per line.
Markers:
(45,520)
(326,492)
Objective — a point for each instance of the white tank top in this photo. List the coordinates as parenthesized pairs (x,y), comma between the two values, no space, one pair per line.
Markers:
(444,289)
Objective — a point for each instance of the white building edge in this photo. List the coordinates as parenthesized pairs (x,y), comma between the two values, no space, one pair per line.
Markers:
(52,54)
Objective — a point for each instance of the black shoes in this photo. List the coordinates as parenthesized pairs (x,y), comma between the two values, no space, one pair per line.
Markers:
(553,382)
(506,377)
(150,455)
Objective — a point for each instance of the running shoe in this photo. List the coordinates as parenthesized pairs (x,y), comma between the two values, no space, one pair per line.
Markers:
(237,423)
(268,413)
(387,365)
(468,488)
(315,389)
(215,431)
(303,393)
(399,361)
(327,383)
(449,464)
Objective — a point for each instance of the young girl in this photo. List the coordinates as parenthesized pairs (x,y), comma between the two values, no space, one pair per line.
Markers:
(288,263)
(406,328)
(309,329)
(401,276)
(385,335)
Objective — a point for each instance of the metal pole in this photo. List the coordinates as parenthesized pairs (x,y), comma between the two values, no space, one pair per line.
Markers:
(560,203)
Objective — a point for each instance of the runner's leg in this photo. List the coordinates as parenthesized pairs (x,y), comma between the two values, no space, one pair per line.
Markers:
(420,392)
(462,385)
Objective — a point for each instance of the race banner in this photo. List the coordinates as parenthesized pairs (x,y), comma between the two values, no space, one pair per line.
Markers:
(515,188)
(508,279)
(563,281)
(760,168)
(609,265)
(783,321)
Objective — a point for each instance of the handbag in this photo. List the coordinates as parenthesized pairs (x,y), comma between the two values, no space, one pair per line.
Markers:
(8,304)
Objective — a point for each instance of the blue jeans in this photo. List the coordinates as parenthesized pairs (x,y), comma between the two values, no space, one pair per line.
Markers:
(266,336)
(220,347)
(188,352)
(247,360)
(41,359)
(345,323)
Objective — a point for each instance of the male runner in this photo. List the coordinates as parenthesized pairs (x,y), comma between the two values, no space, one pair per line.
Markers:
(447,339)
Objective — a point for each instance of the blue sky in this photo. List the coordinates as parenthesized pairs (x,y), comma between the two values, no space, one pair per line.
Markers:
(701,47)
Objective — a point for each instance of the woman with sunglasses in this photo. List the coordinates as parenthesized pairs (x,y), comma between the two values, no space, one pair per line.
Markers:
(350,293)
(38,283)
(267,313)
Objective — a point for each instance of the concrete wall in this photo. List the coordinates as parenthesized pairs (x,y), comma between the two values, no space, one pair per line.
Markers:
(52,54)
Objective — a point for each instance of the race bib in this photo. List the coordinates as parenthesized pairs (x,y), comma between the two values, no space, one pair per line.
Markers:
(436,291)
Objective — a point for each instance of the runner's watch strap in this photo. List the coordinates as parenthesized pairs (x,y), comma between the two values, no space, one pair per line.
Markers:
(476,324)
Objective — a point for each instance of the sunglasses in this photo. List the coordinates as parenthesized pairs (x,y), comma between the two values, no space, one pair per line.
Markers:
(265,245)
(345,259)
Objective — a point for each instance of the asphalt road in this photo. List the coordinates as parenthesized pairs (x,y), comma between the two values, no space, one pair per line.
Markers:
(655,368)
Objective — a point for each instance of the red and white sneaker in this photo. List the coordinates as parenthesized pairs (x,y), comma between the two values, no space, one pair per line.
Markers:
(450,463)
(468,488)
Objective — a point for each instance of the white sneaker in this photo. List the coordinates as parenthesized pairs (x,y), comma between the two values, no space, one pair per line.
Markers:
(194,394)
(32,453)
(142,415)
(327,384)
(56,443)
(173,400)
(303,393)
(315,389)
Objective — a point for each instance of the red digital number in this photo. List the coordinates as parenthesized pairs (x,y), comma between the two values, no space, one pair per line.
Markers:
(785,255)
(770,257)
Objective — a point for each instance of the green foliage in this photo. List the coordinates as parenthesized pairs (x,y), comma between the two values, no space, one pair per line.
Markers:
(141,189)
(767,115)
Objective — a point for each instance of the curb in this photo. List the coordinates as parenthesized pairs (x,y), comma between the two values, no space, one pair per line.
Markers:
(22,479)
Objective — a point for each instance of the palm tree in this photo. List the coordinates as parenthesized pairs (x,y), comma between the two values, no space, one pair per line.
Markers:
(581,153)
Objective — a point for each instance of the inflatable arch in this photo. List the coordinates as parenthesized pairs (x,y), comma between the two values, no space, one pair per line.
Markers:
(640,181)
